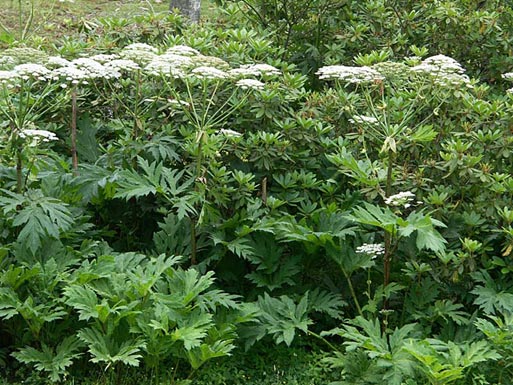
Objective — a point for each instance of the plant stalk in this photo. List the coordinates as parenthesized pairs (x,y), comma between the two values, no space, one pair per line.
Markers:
(74,156)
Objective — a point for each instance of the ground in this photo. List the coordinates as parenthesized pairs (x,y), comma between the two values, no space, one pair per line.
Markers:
(53,19)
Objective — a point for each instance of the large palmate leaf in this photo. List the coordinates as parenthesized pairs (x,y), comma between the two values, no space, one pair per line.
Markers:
(104,349)
(151,178)
(38,218)
(375,216)
(386,350)
(53,361)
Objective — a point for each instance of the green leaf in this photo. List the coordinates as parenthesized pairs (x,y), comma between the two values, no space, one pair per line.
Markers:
(83,299)
(53,362)
(375,216)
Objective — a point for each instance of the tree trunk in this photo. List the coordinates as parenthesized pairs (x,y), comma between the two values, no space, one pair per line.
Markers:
(188,8)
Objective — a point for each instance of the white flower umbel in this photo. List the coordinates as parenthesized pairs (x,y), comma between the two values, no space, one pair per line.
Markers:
(362,119)
(32,70)
(354,75)
(209,73)
(176,60)
(231,133)
(139,52)
(372,249)
(400,199)
(42,135)
(444,70)
(96,70)
(250,83)
(254,70)
(183,50)
(70,74)
(123,65)
(104,58)
(57,61)
(7,77)
(160,67)
(140,47)
(7,62)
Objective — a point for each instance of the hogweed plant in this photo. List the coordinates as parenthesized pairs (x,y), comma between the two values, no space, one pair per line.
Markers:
(207,92)
(392,106)
(25,91)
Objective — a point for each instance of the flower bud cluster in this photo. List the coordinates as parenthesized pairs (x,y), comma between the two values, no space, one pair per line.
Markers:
(444,70)
(42,135)
(372,249)
(354,75)
(400,199)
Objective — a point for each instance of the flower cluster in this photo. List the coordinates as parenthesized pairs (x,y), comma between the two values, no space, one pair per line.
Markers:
(123,65)
(42,135)
(139,52)
(372,249)
(183,50)
(444,70)
(95,69)
(7,77)
(205,72)
(508,76)
(255,70)
(250,83)
(400,199)
(354,75)
(32,70)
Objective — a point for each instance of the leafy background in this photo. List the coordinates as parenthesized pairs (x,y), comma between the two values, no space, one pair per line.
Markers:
(176,253)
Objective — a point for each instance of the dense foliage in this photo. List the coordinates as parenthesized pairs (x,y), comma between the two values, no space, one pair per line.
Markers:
(171,194)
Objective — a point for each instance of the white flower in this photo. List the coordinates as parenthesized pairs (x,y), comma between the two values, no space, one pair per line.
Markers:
(255,70)
(123,65)
(58,61)
(140,47)
(350,74)
(8,76)
(362,119)
(32,70)
(139,52)
(104,58)
(400,199)
(7,61)
(176,60)
(231,133)
(71,74)
(44,135)
(161,67)
(183,50)
(250,83)
(265,69)
(95,69)
(444,70)
(205,72)
(373,249)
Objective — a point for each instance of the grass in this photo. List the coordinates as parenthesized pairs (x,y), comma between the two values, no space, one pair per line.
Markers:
(25,20)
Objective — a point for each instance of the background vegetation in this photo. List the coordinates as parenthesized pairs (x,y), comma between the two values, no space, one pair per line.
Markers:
(306,193)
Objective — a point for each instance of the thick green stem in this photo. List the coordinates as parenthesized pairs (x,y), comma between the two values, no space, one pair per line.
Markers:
(74,156)
(353,293)
(387,258)
(19,171)
(331,346)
